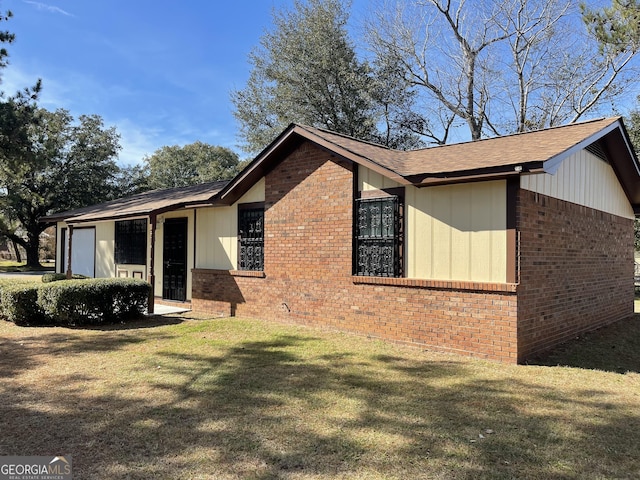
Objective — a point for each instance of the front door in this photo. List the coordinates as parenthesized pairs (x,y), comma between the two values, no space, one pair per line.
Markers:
(174,256)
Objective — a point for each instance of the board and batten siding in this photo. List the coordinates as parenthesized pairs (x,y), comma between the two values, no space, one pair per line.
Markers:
(583,179)
(452,232)
(105,249)
(370,180)
(217,232)
(457,232)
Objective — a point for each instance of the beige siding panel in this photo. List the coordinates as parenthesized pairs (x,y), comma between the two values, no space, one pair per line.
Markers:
(481,231)
(157,258)
(217,232)
(583,179)
(461,241)
(419,232)
(457,232)
(105,250)
(217,238)
(440,215)
(255,193)
(370,180)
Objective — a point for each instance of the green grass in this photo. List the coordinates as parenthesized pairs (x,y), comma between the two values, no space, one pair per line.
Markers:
(195,398)
(11,266)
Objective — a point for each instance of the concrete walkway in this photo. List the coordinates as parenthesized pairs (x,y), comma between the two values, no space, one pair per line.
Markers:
(166,310)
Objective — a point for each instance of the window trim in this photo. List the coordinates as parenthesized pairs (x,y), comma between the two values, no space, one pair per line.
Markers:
(396,195)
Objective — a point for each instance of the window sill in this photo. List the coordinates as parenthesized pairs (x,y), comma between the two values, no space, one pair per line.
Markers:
(436,284)
(232,273)
(247,273)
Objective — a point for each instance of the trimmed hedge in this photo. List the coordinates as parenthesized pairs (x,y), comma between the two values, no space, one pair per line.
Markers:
(75,302)
(56,277)
(19,304)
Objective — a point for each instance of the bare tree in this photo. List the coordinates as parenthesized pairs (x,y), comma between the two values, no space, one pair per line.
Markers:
(502,67)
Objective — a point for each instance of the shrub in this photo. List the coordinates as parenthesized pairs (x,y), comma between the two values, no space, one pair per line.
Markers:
(18,304)
(94,301)
(56,277)
(5,282)
(76,302)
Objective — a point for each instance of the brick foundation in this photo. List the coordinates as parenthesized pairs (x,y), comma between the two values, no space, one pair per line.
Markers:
(576,268)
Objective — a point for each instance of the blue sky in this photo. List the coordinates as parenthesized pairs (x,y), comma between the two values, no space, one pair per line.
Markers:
(159,71)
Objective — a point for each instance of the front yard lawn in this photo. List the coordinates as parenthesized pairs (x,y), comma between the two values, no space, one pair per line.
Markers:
(192,398)
(12,266)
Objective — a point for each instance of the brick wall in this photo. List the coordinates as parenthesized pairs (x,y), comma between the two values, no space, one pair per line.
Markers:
(576,271)
(307,274)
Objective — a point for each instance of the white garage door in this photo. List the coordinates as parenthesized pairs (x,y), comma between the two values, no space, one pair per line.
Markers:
(83,256)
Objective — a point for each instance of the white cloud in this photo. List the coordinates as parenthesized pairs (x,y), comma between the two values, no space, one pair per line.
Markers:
(143,129)
(137,141)
(48,8)
(55,94)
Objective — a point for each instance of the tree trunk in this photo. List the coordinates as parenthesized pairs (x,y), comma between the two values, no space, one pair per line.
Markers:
(17,251)
(33,251)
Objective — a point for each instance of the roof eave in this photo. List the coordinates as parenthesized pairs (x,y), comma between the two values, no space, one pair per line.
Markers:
(624,162)
(115,217)
(476,175)
(552,164)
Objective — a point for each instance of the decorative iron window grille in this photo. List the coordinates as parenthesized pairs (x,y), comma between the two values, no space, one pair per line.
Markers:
(131,242)
(378,237)
(251,239)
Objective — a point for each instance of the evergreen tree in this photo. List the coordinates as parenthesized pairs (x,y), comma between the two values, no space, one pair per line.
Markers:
(175,166)
(50,163)
(306,71)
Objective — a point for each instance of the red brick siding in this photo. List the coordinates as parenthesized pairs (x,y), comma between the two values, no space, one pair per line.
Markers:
(576,271)
(308,266)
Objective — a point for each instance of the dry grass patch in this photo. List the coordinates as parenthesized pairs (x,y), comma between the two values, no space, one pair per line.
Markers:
(230,398)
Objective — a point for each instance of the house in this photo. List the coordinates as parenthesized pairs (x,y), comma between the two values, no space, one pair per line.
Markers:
(500,248)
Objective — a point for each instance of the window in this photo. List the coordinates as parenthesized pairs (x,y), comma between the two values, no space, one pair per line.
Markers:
(131,242)
(378,238)
(251,237)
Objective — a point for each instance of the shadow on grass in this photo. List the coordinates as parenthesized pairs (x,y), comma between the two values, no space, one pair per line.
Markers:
(615,348)
(21,354)
(137,324)
(270,409)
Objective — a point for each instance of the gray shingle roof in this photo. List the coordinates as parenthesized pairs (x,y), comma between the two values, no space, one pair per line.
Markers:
(536,146)
(142,204)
